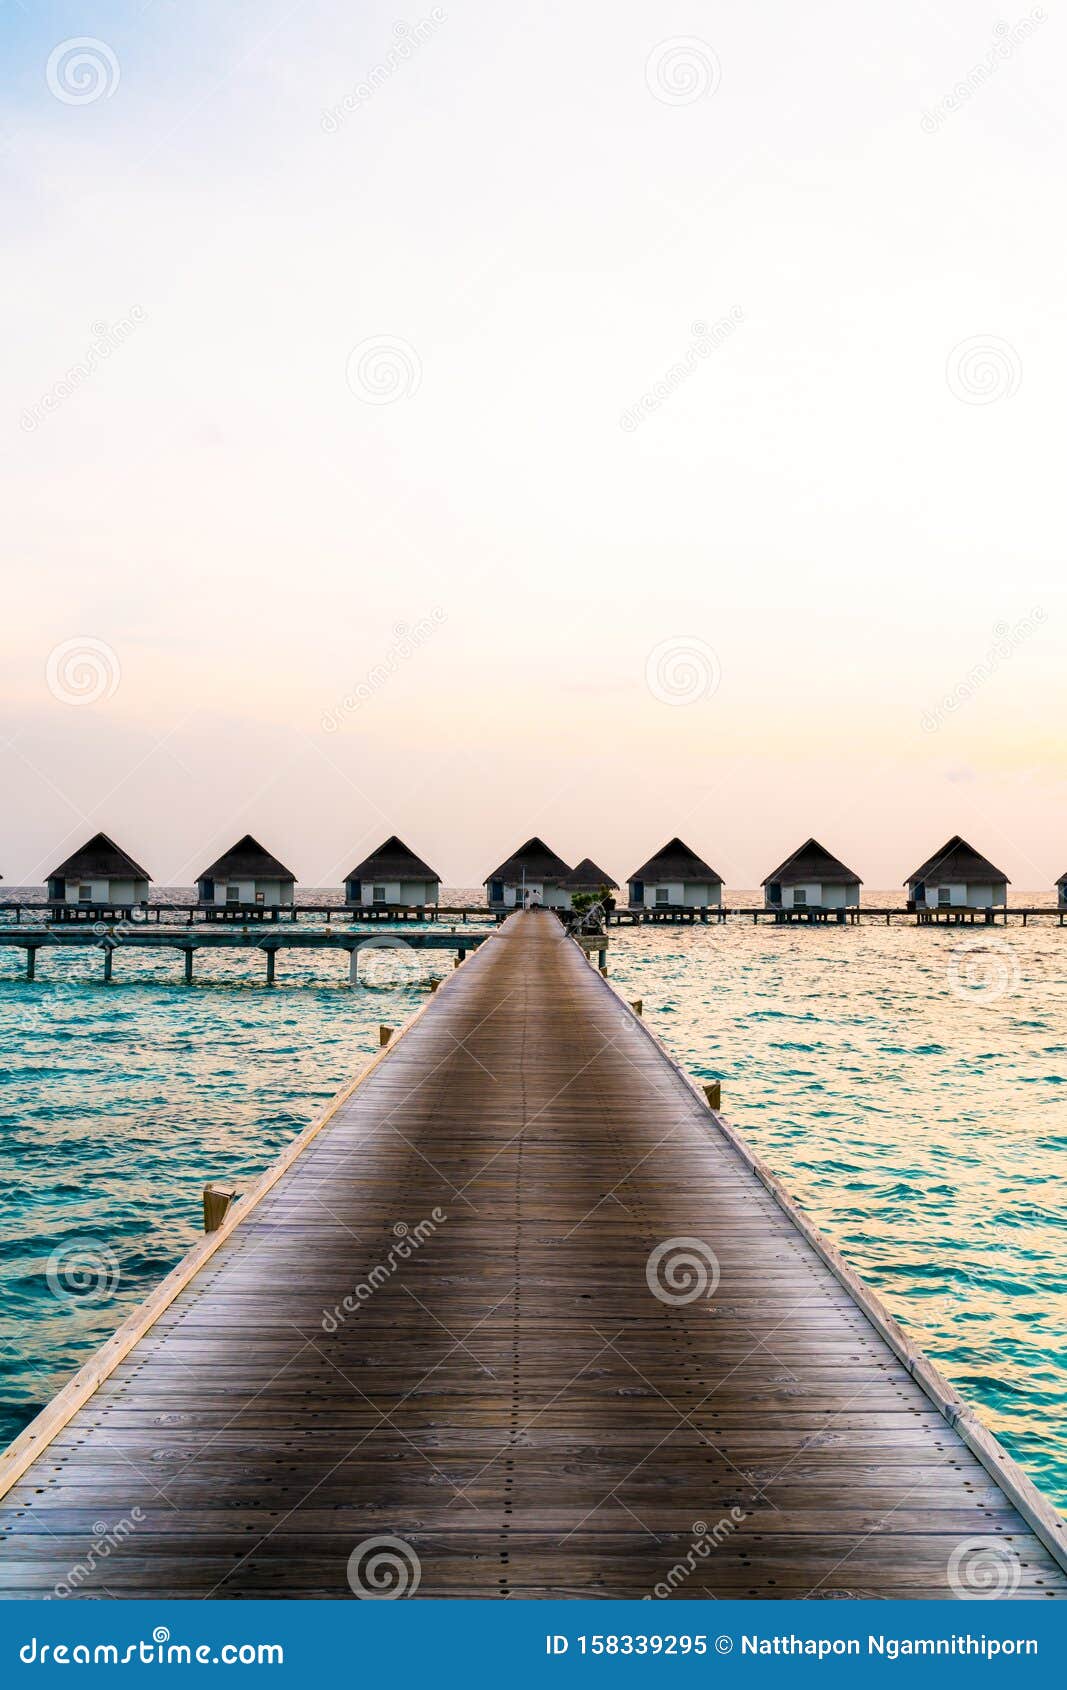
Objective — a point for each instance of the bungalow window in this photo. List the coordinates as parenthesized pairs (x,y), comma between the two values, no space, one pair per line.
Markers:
(800,895)
(232,894)
(379,894)
(944,894)
(260,898)
(85,894)
(663,894)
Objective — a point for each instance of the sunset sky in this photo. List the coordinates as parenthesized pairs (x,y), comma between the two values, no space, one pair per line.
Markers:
(606,422)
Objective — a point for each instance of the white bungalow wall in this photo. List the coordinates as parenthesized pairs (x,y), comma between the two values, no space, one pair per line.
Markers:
(107,891)
(550,897)
(817,896)
(968,897)
(401,891)
(688,894)
(274,892)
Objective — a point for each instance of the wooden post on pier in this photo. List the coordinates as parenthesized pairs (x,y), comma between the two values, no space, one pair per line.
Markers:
(713,1093)
(189,965)
(271,959)
(353,966)
(602,959)
(31,962)
(638,1006)
(109,958)
(385,1033)
(217,1199)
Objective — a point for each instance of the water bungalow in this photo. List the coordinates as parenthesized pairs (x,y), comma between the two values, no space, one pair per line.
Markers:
(1061,890)
(100,877)
(675,878)
(246,880)
(393,875)
(588,876)
(812,879)
(534,875)
(957,877)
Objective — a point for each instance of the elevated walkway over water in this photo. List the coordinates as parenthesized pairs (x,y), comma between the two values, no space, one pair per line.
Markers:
(610,1359)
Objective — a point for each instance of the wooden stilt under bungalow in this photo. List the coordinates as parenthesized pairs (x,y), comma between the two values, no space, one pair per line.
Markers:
(602,1323)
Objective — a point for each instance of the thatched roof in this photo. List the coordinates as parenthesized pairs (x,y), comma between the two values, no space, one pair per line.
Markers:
(958,863)
(587,877)
(247,860)
(540,864)
(393,861)
(814,862)
(676,862)
(101,859)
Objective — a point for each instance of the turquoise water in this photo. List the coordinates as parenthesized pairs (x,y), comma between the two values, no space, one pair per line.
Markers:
(118,1102)
(910,1093)
(908,1086)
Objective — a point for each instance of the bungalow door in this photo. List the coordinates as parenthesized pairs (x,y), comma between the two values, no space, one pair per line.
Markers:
(637,891)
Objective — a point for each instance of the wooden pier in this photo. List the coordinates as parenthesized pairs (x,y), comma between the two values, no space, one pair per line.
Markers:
(613,1359)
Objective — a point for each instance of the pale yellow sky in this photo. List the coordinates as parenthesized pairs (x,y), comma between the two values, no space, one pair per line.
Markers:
(606,425)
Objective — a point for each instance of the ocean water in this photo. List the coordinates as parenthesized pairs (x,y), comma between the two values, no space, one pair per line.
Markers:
(909,1087)
(906,1084)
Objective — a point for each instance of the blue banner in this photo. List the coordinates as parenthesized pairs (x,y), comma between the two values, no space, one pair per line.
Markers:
(538,1643)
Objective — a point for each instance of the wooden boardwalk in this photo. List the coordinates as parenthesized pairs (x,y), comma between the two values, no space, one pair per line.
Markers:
(524,1406)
